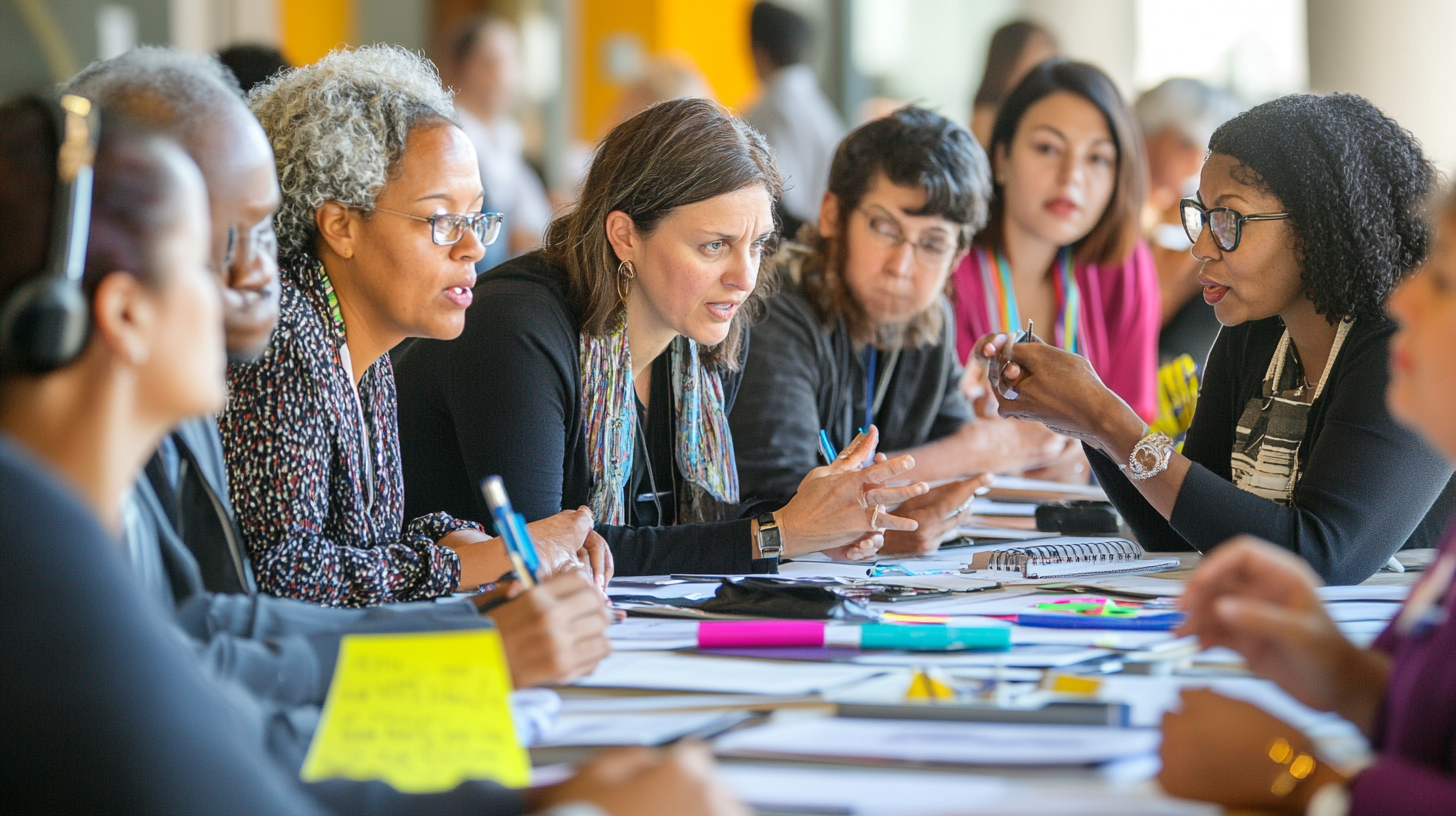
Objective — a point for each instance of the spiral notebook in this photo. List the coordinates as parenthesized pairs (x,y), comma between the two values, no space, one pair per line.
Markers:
(1073,558)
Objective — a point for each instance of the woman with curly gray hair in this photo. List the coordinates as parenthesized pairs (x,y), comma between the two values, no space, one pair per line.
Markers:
(1309,212)
(379,232)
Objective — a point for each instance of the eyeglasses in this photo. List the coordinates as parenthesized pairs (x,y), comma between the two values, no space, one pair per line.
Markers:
(258,239)
(1226,225)
(446,229)
(933,251)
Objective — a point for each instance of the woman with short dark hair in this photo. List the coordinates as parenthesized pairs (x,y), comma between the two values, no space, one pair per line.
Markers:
(601,370)
(862,335)
(1309,213)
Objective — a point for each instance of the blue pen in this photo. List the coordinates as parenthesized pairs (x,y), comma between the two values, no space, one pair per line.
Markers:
(826,448)
(511,526)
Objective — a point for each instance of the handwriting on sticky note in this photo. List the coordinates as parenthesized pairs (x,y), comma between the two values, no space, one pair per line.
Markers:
(422,712)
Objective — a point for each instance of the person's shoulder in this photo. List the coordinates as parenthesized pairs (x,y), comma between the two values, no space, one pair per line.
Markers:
(532,281)
(299,352)
(28,485)
(1368,341)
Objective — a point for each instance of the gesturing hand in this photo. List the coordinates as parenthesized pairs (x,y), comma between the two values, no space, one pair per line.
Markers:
(1260,601)
(554,632)
(1036,381)
(567,542)
(841,504)
(938,513)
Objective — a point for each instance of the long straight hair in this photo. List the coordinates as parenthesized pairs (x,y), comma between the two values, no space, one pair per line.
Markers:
(668,156)
(1115,234)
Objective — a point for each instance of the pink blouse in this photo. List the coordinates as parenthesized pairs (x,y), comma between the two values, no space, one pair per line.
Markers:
(1118,325)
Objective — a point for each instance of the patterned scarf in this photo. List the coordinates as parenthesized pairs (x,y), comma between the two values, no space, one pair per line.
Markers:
(704,444)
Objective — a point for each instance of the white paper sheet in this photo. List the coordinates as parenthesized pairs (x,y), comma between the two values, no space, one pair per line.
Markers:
(964,743)
(860,791)
(1360,592)
(668,671)
(1003,533)
(687,590)
(633,729)
(653,634)
(1070,491)
(1102,638)
(1350,611)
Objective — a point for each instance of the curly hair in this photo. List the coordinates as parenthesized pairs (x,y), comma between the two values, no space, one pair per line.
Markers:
(1355,185)
(339,128)
(912,147)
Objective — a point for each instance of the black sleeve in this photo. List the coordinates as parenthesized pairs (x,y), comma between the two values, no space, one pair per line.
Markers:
(954,410)
(106,708)
(510,389)
(1210,432)
(1367,483)
(710,549)
(775,421)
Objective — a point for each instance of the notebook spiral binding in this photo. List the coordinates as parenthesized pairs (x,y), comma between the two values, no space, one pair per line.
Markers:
(1017,559)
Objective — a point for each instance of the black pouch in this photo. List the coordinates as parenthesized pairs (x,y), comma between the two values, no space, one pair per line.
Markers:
(769,598)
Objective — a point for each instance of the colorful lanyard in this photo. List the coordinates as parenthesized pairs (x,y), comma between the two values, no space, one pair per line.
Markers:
(1001,298)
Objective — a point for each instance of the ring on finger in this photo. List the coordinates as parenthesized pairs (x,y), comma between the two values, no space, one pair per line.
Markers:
(875,517)
(864,499)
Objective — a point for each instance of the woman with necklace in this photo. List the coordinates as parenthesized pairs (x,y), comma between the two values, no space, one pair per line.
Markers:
(1061,248)
(1308,214)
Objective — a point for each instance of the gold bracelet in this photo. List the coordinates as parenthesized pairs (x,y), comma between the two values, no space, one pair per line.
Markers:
(1295,767)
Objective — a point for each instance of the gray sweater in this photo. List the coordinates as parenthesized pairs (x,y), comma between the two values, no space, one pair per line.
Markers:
(803,375)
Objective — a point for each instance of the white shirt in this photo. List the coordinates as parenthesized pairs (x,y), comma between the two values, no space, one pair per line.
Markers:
(803,129)
(511,185)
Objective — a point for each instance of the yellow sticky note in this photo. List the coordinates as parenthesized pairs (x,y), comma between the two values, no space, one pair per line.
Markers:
(422,712)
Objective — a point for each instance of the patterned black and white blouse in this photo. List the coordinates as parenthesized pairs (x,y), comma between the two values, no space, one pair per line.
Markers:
(322,522)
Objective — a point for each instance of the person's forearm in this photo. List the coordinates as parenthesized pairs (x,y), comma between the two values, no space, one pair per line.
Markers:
(983,446)
(1117,435)
(482,560)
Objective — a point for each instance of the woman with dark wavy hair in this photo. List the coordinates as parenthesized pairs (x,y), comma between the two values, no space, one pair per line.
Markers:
(1309,213)
(600,371)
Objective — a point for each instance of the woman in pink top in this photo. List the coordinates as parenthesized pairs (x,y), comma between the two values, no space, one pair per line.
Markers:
(1061,248)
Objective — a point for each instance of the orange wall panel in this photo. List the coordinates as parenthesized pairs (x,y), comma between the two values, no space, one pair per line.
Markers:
(313,28)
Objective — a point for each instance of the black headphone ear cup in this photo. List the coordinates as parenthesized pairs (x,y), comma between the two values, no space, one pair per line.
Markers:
(44,325)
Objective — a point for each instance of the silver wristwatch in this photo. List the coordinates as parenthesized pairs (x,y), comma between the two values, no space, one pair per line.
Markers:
(1149,456)
(770,539)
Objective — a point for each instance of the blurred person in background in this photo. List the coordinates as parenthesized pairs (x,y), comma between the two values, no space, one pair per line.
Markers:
(1177,118)
(1015,49)
(664,77)
(800,124)
(485,70)
(253,63)
(1062,247)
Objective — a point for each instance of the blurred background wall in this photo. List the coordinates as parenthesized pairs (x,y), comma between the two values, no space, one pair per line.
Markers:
(580,57)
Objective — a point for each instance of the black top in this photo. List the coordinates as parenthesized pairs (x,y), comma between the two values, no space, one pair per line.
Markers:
(505,398)
(803,376)
(109,712)
(1368,484)
(1191,331)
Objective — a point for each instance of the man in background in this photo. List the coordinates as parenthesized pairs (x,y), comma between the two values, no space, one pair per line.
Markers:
(1177,118)
(793,114)
(485,62)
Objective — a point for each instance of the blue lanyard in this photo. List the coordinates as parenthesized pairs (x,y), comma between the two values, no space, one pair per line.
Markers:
(869,411)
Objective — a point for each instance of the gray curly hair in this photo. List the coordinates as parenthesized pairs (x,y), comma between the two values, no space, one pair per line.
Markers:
(163,88)
(338,129)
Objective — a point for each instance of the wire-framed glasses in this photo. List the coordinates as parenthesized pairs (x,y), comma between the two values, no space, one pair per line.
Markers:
(1226,225)
(446,229)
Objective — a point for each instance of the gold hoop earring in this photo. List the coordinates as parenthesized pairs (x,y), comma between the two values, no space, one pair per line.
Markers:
(625,273)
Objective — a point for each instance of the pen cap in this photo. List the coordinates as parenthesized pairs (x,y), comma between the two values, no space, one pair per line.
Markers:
(494,490)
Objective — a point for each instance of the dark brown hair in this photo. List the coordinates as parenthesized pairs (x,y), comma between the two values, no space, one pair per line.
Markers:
(1116,233)
(668,156)
(1001,57)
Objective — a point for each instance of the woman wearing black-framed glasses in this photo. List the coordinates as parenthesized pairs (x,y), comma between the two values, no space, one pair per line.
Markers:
(1308,215)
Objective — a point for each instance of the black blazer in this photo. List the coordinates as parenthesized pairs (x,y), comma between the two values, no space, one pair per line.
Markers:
(1369,486)
(505,399)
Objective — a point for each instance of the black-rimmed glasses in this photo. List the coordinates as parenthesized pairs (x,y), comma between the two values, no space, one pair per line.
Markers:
(446,229)
(1226,225)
